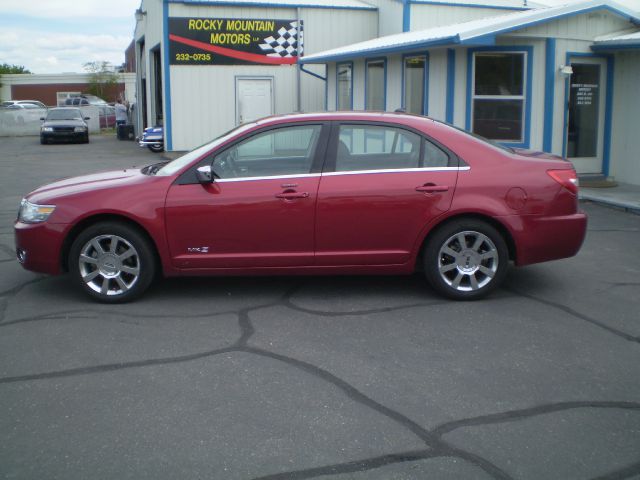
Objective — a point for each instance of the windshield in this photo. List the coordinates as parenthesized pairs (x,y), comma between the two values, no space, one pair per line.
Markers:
(65,114)
(177,164)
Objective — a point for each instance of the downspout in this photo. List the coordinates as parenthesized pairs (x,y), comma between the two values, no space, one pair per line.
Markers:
(300,49)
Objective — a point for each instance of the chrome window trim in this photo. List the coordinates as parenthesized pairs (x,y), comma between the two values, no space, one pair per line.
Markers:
(350,172)
(397,170)
(271,177)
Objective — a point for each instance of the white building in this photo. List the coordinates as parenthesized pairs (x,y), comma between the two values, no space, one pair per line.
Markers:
(558,79)
(198,98)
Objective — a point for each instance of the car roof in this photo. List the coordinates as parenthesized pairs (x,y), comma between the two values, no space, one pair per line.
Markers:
(351,115)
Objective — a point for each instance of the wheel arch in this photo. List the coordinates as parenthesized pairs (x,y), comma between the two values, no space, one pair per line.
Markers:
(99,218)
(499,226)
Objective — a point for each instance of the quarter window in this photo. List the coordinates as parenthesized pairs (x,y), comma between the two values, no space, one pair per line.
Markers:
(375,85)
(499,95)
(345,86)
(285,151)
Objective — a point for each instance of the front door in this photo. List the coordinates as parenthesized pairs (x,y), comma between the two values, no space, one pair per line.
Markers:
(383,185)
(259,211)
(585,119)
(254,99)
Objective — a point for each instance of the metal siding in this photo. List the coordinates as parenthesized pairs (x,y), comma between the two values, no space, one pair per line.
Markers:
(460,89)
(585,26)
(625,141)
(204,99)
(438,84)
(151,28)
(358,84)
(390,16)
(325,29)
(331,87)
(429,16)
(394,82)
(185,10)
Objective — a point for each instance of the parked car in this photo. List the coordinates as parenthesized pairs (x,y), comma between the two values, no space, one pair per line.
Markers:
(37,103)
(153,138)
(107,116)
(332,193)
(84,99)
(22,113)
(64,123)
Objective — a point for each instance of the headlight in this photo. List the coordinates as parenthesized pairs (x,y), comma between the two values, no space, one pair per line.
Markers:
(79,129)
(47,129)
(32,213)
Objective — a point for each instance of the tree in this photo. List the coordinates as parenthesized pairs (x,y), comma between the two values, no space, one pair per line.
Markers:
(6,68)
(103,80)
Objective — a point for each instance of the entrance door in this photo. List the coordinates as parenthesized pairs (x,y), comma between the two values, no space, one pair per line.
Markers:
(254,99)
(585,127)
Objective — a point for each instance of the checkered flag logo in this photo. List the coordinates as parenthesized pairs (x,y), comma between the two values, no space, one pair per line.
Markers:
(288,42)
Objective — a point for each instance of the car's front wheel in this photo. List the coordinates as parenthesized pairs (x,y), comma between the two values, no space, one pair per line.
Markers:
(156,148)
(112,262)
(466,259)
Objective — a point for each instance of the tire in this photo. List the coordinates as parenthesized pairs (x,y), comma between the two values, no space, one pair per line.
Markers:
(112,272)
(43,141)
(155,149)
(86,139)
(468,272)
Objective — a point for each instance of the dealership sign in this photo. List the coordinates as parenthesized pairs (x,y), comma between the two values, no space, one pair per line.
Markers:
(234,41)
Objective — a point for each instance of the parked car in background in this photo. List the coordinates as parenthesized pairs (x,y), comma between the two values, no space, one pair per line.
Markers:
(66,124)
(84,99)
(23,113)
(153,138)
(107,116)
(331,193)
(38,103)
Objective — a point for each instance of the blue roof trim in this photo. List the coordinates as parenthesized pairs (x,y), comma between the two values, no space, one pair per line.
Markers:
(453,40)
(258,3)
(469,5)
(607,47)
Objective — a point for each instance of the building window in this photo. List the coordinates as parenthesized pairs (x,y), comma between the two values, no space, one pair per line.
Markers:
(345,86)
(498,95)
(375,85)
(415,76)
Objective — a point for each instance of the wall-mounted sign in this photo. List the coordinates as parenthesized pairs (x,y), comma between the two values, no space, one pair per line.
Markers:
(234,41)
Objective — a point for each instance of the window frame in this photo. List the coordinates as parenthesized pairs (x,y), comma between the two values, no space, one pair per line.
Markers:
(527,79)
(425,81)
(367,62)
(329,166)
(338,65)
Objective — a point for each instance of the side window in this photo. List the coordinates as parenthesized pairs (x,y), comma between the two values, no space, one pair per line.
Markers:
(433,156)
(376,148)
(285,151)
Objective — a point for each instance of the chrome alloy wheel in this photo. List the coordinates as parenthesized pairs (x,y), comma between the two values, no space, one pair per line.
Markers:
(109,265)
(468,261)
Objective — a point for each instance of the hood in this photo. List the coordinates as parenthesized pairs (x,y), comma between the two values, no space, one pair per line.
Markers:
(65,123)
(74,185)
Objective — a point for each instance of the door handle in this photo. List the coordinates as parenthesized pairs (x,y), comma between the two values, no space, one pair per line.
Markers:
(430,188)
(292,195)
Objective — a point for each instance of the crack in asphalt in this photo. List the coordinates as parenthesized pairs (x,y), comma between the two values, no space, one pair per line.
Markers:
(576,314)
(432,438)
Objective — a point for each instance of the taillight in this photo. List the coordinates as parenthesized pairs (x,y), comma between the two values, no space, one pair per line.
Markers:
(567,178)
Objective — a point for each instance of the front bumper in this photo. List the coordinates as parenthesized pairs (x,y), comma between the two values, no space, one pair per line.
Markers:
(145,142)
(64,135)
(38,246)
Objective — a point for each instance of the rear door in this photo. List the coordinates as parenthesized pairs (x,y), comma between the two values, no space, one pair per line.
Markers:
(381,185)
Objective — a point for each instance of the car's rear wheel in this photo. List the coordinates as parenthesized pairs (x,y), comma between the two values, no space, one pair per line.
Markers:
(112,262)
(466,259)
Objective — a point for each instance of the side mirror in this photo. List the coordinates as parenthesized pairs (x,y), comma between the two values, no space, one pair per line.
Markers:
(87,118)
(42,118)
(204,174)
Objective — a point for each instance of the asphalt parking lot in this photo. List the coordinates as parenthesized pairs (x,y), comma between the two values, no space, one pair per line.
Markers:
(319,377)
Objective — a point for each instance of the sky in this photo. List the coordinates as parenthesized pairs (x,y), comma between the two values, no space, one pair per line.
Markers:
(59,36)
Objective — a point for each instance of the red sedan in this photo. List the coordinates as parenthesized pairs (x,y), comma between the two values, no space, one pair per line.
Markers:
(332,193)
